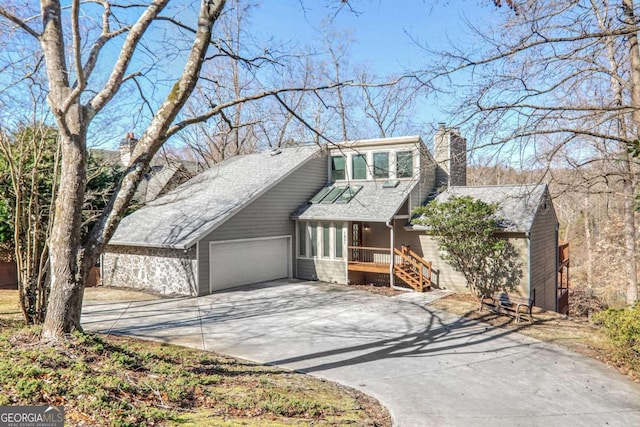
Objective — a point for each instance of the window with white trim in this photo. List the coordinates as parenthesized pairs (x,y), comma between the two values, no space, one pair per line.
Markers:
(302,238)
(314,239)
(321,240)
(338,168)
(326,240)
(404,164)
(339,241)
(381,165)
(359,166)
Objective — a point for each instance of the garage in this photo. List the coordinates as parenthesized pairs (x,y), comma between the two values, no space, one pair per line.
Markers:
(242,262)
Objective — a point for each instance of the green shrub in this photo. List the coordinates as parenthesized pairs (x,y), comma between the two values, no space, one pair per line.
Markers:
(622,327)
(465,231)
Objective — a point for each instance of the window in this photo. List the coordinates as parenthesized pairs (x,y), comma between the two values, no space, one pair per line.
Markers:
(338,240)
(302,238)
(326,240)
(334,194)
(381,165)
(338,167)
(321,194)
(314,239)
(349,194)
(404,164)
(359,166)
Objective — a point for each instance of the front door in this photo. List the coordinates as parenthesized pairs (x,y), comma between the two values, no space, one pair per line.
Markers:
(356,240)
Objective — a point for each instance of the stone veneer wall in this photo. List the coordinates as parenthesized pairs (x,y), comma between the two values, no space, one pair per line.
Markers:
(158,270)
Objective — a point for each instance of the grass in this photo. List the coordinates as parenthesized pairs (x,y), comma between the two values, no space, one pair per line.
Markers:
(106,380)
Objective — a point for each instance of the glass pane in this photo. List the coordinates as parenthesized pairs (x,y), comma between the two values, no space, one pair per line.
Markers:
(318,197)
(314,239)
(349,194)
(381,165)
(338,167)
(338,240)
(334,194)
(404,164)
(359,166)
(326,240)
(302,238)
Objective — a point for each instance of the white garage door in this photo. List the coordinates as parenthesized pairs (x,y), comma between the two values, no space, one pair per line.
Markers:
(241,262)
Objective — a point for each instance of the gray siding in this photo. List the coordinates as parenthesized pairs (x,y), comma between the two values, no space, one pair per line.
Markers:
(544,249)
(444,276)
(320,269)
(269,215)
(158,270)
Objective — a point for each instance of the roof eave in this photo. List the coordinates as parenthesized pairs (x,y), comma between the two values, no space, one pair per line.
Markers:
(149,245)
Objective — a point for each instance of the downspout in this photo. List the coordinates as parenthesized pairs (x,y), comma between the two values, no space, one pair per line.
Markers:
(555,269)
(391,246)
(528,236)
(101,283)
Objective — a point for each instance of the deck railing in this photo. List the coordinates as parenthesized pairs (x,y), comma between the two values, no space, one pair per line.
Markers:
(563,277)
(413,269)
(369,255)
(563,254)
(408,266)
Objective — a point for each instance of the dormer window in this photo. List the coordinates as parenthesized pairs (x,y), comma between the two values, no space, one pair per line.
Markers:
(359,166)
(381,165)
(404,164)
(338,168)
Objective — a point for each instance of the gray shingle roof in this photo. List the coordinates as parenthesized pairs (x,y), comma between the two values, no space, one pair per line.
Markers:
(372,203)
(195,208)
(517,204)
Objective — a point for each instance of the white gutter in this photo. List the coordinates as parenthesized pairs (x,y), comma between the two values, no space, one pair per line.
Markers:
(102,270)
(392,260)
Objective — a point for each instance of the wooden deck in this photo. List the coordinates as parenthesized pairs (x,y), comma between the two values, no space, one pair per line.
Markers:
(368,267)
(408,267)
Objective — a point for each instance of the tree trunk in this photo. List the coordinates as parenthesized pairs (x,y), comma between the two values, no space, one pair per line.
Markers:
(628,184)
(67,272)
(70,259)
(630,241)
(589,247)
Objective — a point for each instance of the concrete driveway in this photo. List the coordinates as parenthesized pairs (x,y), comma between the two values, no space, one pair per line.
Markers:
(430,368)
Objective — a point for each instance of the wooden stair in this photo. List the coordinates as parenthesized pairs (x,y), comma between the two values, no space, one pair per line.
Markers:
(413,270)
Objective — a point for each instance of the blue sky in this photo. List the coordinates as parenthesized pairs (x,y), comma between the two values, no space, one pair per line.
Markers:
(382,29)
(383,33)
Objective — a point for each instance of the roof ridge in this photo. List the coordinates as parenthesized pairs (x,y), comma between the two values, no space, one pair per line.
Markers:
(500,185)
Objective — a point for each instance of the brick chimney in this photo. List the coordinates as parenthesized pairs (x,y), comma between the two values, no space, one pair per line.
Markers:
(126,148)
(450,153)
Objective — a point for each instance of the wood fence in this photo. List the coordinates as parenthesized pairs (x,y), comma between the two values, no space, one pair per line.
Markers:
(8,275)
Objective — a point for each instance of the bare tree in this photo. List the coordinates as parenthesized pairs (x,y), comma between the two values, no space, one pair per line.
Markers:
(557,77)
(78,42)
(28,157)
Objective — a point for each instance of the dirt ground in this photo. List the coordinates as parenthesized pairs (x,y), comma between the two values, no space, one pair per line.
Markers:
(101,293)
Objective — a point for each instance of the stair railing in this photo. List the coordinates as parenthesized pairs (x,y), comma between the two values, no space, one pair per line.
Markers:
(417,264)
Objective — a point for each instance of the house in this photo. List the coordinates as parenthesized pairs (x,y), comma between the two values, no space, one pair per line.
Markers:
(527,220)
(335,213)
(164,174)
